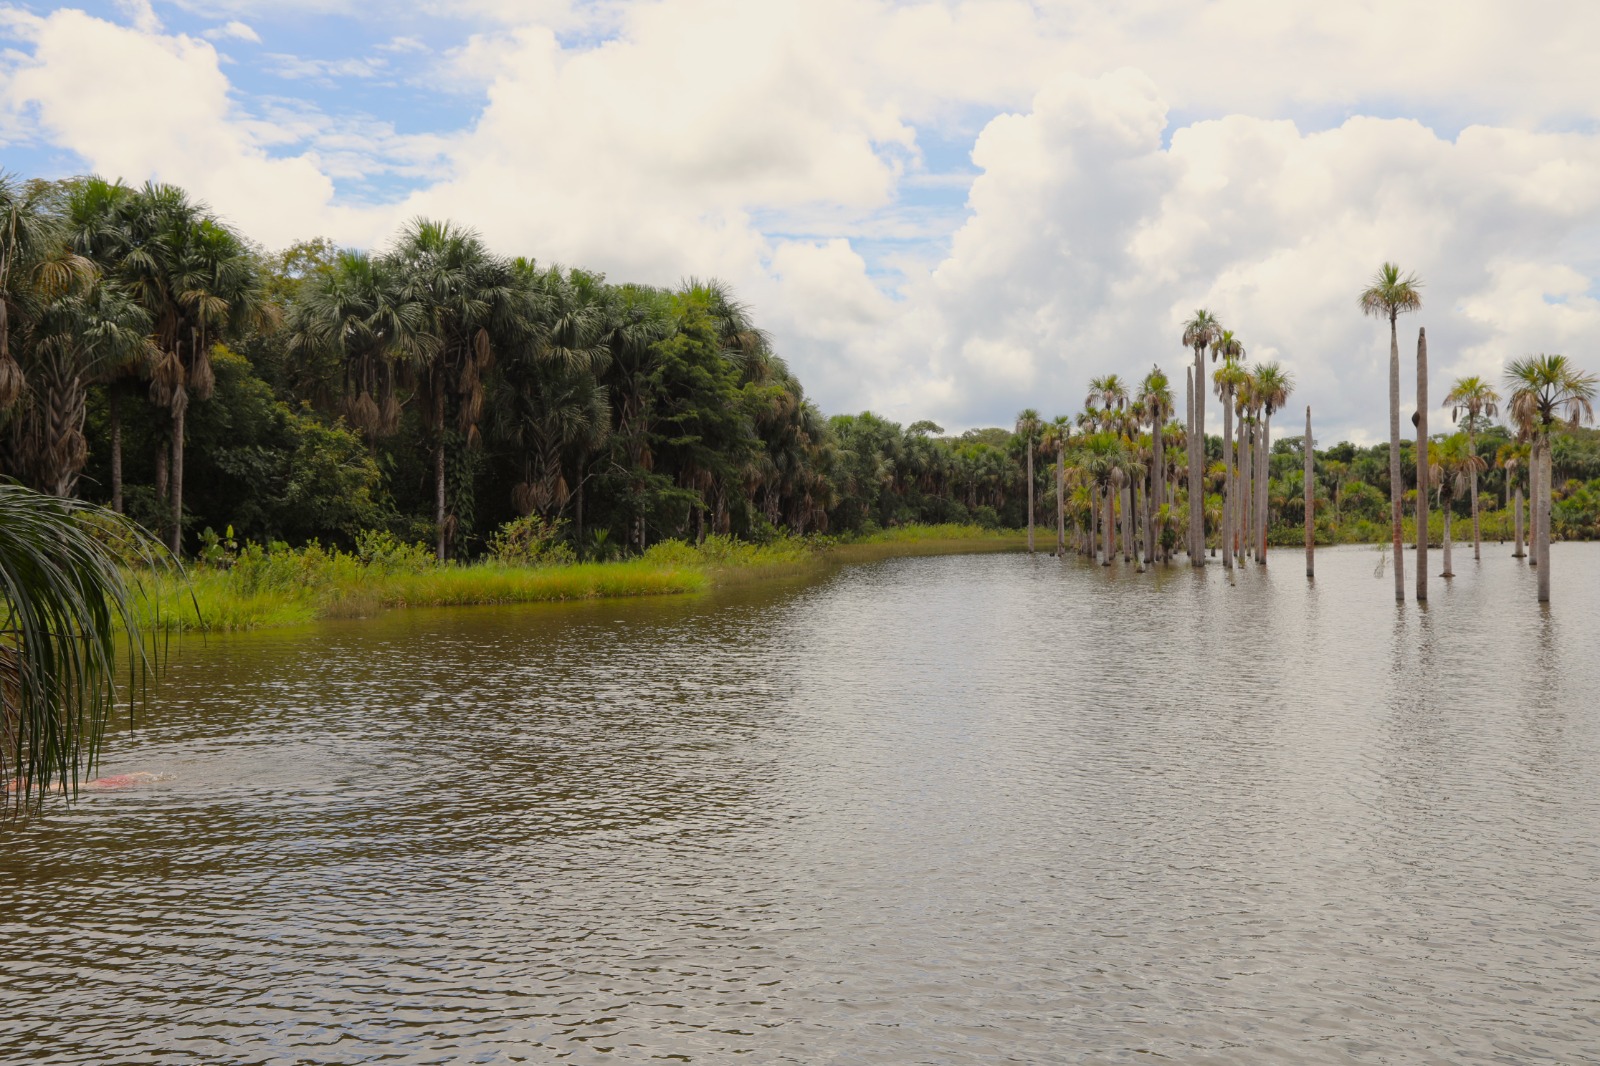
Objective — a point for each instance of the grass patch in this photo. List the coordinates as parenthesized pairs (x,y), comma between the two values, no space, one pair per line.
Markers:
(279,586)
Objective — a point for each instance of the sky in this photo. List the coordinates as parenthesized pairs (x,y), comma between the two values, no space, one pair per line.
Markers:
(938,209)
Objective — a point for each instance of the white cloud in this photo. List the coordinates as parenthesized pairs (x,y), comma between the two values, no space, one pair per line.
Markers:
(233,30)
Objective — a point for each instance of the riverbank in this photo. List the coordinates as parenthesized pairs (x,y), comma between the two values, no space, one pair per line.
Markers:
(268,588)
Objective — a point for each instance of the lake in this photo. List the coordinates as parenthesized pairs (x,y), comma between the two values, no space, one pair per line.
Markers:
(967,809)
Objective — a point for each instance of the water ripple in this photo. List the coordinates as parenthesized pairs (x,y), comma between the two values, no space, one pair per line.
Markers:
(992,809)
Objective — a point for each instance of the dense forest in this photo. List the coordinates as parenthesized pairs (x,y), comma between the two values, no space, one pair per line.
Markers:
(154,360)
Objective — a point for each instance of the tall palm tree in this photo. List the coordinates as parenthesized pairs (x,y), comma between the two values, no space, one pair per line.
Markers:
(1226,379)
(1514,460)
(470,304)
(1473,403)
(1424,467)
(1199,333)
(69,627)
(199,282)
(1389,295)
(1103,463)
(1155,399)
(1028,425)
(1546,390)
(99,217)
(1272,387)
(1454,462)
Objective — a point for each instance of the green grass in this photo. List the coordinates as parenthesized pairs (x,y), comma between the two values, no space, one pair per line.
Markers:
(265,588)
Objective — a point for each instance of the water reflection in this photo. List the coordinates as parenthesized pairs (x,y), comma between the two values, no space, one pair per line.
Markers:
(961,810)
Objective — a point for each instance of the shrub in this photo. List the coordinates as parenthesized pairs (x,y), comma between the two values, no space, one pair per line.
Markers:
(531,540)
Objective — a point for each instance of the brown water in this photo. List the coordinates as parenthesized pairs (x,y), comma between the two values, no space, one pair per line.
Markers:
(955,810)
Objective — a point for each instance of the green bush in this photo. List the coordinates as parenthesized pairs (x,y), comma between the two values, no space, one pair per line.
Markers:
(531,540)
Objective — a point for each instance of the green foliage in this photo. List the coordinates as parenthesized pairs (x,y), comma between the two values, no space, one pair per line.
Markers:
(531,540)
(64,594)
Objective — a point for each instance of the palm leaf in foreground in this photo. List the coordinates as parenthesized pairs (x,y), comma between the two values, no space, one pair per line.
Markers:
(67,607)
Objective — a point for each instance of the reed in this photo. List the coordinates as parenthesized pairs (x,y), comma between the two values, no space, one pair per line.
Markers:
(262,588)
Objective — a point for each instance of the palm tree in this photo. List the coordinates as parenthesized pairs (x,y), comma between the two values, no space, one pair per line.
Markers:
(1226,379)
(1546,389)
(80,338)
(1473,402)
(67,608)
(470,304)
(1388,296)
(99,217)
(1103,463)
(1199,333)
(356,315)
(198,281)
(1028,425)
(1272,387)
(1514,460)
(1155,399)
(1453,463)
(1055,435)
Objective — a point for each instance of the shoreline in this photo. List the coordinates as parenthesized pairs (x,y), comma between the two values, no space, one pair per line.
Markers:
(300,587)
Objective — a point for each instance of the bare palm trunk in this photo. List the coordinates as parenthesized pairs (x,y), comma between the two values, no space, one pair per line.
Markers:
(1247,490)
(1061,501)
(1126,500)
(1477,537)
(1422,466)
(1446,506)
(1516,516)
(1230,488)
(438,470)
(1262,479)
(1150,520)
(116,448)
(1108,529)
(1311,498)
(1396,485)
(1197,457)
(1542,505)
(176,483)
(1030,495)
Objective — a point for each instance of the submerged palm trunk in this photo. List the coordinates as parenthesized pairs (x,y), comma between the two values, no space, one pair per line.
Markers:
(1542,505)
(1311,499)
(1262,478)
(1477,537)
(1396,485)
(1150,520)
(1229,482)
(1516,516)
(1247,463)
(1447,506)
(1422,466)
(1108,528)
(1197,454)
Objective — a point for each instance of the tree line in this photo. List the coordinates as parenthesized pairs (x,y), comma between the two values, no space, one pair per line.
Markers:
(153,360)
